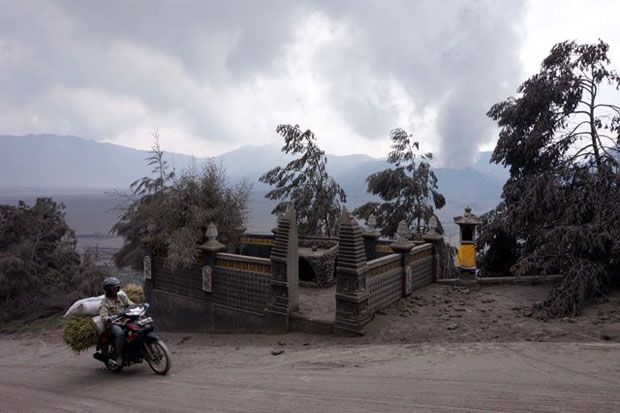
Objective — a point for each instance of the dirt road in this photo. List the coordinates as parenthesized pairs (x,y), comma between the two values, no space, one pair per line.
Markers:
(240,374)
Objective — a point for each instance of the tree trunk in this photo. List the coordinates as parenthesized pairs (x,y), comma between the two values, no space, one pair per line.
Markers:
(593,131)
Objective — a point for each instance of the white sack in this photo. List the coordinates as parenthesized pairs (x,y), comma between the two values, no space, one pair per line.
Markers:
(86,306)
(99,323)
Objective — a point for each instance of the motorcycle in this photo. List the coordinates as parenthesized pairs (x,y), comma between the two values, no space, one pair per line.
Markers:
(141,342)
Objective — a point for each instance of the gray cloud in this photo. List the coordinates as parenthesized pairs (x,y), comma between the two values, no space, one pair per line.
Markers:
(214,75)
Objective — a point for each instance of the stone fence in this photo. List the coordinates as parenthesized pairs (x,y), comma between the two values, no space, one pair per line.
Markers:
(256,290)
(225,293)
(385,282)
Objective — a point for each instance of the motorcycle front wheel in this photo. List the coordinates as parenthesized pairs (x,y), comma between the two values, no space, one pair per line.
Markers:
(158,356)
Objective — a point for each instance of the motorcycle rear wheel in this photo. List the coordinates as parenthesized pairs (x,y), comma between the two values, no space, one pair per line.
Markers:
(158,356)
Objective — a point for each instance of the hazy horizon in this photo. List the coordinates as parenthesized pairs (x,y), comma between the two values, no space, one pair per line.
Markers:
(214,76)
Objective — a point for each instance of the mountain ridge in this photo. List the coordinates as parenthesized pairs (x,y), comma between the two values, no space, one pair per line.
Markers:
(52,165)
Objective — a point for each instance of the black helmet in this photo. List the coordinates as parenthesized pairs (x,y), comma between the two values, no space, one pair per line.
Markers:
(111,286)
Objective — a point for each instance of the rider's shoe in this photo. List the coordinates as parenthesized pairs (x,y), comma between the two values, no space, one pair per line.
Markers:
(100,357)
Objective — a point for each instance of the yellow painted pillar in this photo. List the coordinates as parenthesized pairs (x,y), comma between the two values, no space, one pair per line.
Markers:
(467,256)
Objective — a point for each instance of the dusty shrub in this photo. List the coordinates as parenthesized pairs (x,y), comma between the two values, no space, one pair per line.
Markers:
(173,210)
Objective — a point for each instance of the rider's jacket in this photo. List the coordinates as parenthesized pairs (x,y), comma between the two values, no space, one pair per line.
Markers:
(113,306)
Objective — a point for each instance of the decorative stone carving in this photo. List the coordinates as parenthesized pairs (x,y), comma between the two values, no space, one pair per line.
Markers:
(402,243)
(433,235)
(433,225)
(211,232)
(371,223)
(402,231)
(212,245)
(371,235)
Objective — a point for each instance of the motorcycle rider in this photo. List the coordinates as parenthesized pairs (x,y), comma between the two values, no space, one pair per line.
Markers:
(114,304)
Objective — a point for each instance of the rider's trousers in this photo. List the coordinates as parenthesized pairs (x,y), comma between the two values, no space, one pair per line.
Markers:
(119,338)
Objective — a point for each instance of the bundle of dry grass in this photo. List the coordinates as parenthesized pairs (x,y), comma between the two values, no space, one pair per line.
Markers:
(135,293)
(81,333)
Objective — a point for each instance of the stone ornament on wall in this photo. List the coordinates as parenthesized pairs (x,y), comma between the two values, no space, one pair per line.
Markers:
(402,231)
(211,232)
(207,279)
(147,267)
(372,223)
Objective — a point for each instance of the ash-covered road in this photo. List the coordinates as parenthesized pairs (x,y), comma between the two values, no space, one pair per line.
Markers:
(239,374)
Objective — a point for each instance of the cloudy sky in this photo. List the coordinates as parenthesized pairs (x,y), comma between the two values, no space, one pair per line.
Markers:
(215,75)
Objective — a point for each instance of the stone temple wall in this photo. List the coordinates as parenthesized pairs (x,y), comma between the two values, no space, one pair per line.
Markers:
(185,282)
(238,293)
(366,286)
(241,282)
(226,293)
(385,282)
(422,265)
(236,302)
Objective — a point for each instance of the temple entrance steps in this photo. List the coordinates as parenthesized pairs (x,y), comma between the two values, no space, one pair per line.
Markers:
(300,323)
(317,311)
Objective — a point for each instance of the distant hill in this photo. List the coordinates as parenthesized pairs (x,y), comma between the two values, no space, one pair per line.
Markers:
(54,161)
(52,165)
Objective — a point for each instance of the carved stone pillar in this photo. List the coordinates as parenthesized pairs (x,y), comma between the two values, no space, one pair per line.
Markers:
(148,264)
(371,235)
(284,289)
(351,288)
(434,237)
(210,248)
(147,271)
(403,246)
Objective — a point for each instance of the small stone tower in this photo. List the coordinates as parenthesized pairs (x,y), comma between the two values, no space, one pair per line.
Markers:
(467,223)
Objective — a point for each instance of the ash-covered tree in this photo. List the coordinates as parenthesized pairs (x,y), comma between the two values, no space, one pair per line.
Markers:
(498,248)
(174,209)
(561,143)
(409,190)
(305,184)
(41,272)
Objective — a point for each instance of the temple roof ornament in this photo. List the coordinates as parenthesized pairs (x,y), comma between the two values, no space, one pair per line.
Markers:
(467,218)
